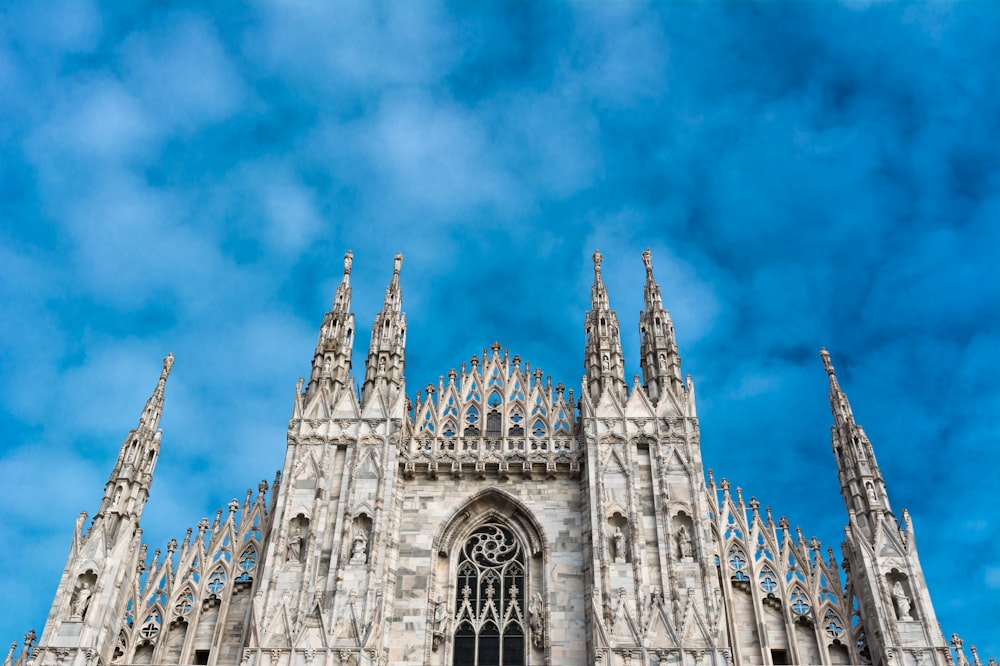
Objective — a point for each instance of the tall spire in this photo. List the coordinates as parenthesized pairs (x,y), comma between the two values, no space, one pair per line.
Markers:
(885,577)
(604,362)
(861,482)
(332,358)
(128,486)
(386,353)
(661,364)
(83,622)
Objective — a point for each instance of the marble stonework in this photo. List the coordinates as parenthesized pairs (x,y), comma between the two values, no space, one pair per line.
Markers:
(581,525)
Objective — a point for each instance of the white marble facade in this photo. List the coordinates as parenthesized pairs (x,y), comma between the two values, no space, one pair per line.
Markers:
(493,518)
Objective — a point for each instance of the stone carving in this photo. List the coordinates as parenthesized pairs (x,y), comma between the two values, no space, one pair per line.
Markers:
(440,620)
(684,544)
(81,600)
(535,620)
(619,545)
(293,551)
(359,552)
(901,601)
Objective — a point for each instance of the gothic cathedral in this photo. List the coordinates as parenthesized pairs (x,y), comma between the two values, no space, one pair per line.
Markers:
(494,519)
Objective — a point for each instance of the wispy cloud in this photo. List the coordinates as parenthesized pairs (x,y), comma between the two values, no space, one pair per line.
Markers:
(182,179)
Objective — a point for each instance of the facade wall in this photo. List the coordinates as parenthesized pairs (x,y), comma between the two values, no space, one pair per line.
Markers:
(618,549)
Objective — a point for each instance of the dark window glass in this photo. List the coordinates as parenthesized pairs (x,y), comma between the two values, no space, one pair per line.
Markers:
(493,424)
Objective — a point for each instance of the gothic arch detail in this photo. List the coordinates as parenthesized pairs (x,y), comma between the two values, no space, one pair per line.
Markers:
(488,593)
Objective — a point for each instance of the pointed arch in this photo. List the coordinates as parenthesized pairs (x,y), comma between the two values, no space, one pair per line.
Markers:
(487,504)
(488,588)
(216,583)
(247,564)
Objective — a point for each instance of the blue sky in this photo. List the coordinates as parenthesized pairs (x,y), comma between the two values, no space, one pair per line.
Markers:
(177,178)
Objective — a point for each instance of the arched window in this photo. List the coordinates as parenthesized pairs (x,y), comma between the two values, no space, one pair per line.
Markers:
(489,620)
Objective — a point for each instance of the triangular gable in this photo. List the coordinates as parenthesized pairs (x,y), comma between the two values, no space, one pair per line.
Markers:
(638,404)
(347,406)
(668,406)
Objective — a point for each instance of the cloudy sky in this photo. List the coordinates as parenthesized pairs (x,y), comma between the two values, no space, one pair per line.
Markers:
(175,178)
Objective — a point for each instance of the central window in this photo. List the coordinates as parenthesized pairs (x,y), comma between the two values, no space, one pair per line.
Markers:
(488,604)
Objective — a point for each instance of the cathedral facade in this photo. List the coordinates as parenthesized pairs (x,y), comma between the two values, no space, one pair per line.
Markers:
(493,519)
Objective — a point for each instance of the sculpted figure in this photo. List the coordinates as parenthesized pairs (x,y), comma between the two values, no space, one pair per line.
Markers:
(901,601)
(81,600)
(293,552)
(619,539)
(535,620)
(360,546)
(440,617)
(684,543)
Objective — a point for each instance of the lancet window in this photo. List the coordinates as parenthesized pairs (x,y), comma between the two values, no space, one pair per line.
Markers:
(248,562)
(490,627)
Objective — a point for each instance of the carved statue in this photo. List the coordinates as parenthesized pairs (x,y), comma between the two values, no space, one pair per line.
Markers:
(440,618)
(535,620)
(397,262)
(872,499)
(901,602)
(293,552)
(360,550)
(684,543)
(348,261)
(619,539)
(440,615)
(647,259)
(81,600)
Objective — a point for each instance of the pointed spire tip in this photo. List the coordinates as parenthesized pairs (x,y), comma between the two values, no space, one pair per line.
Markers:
(825,355)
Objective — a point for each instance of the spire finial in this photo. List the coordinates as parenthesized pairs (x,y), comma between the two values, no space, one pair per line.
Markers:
(598,258)
(647,259)
(397,263)
(168,363)
(348,262)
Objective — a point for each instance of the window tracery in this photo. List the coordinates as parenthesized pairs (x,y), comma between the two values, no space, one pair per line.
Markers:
(247,563)
(489,620)
(150,628)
